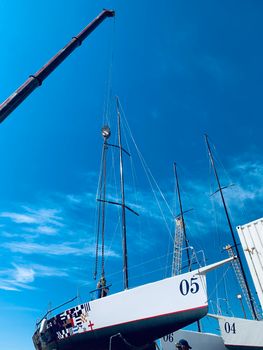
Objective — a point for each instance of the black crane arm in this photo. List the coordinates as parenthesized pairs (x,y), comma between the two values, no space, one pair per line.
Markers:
(36,79)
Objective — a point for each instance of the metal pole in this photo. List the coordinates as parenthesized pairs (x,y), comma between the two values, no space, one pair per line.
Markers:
(184,230)
(239,297)
(182,216)
(230,227)
(124,239)
(104,179)
(37,79)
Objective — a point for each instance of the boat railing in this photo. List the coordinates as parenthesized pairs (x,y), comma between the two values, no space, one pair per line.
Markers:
(94,294)
(55,308)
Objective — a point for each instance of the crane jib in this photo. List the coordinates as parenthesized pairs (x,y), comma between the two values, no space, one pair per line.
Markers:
(36,79)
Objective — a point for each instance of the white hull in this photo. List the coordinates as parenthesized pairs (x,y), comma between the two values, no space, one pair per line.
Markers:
(197,340)
(239,333)
(141,314)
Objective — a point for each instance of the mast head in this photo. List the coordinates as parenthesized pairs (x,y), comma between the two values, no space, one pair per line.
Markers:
(105,131)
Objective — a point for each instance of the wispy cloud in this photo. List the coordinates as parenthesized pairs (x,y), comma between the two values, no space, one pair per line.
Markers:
(16,278)
(43,229)
(54,249)
(19,218)
(41,216)
(22,276)
(246,196)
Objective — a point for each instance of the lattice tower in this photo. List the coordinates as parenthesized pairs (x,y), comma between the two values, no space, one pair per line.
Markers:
(241,281)
(178,247)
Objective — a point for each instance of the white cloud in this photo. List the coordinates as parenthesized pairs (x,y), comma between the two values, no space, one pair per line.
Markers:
(6,285)
(45,216)
(245,196)
(43,229)
(32,216)
(19,218)
(16,278)
(22,276)
(74,199)
(54,249)
(9,234)
(47,271)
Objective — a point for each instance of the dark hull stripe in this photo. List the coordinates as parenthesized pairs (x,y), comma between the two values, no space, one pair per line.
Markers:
(137,332)
(144,319)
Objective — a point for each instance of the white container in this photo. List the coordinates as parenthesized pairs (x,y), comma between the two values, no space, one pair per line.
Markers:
(251,238)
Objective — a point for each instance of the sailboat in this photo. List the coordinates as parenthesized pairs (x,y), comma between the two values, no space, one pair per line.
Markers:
(235,333)
(239,332)
(196,339)
(134,317)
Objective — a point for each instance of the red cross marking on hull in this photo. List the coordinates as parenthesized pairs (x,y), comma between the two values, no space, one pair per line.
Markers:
(91,325)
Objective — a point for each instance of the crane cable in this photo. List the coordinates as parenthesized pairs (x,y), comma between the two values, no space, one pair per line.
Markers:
(102,178)
(98,222)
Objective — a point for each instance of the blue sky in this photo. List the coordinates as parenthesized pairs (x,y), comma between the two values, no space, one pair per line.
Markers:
(180,69)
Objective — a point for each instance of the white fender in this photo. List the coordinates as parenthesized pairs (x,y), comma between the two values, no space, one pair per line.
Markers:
(43,326)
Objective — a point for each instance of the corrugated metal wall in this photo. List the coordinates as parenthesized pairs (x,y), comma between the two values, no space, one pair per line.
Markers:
(251,237)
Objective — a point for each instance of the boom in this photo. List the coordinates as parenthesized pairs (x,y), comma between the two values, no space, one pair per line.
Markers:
(37,79)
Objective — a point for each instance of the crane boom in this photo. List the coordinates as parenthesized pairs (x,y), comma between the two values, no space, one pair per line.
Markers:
(36,79)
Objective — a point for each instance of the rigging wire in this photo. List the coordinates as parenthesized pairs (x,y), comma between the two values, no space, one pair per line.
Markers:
(108,83)
(217,218)
(101,185)
(154,187)
(219,282)
(134,187)
(98,193)
(150,177)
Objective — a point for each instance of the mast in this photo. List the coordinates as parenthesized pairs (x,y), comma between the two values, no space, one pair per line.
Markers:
(36,80)
(102,198)
(106,134)
(220,189)
(184,230)
(182,217)
(124,236)
(105,131)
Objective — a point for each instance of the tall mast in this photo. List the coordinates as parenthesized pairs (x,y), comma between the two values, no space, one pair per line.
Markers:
(124,239)
(184,229)
(220,189)
(102,198)
(106,134)
(105,131)
(182,217)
